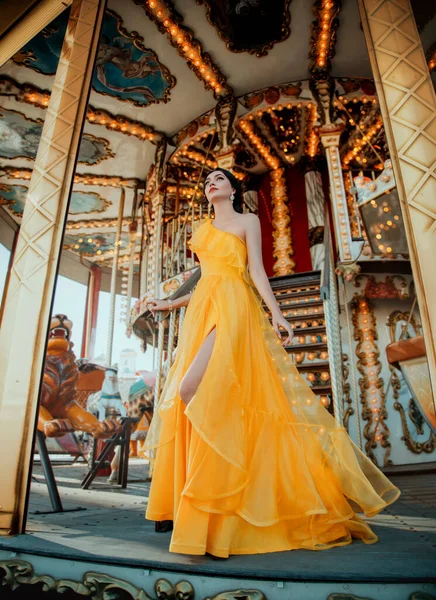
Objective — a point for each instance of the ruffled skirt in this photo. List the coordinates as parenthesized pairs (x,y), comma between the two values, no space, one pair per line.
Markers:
(255,463)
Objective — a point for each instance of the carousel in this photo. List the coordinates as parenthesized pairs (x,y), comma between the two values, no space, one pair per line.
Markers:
(111,116)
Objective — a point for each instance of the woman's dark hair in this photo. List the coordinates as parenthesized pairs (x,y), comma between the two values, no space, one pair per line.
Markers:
(237,200)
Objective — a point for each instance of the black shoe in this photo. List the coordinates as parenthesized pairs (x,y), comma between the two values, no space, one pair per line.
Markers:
(163,526)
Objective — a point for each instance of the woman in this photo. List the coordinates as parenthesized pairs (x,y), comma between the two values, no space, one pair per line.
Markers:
(247,458)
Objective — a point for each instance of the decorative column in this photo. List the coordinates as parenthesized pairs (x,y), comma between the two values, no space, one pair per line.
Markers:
(133,229)
(315,213)
(408,107)
(28,303)
(113,290)
(281,219)
(330,140)
(90,328)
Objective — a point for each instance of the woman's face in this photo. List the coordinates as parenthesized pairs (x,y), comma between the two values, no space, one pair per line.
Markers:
(217,187)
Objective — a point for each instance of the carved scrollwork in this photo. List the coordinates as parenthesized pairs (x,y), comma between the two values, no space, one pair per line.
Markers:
(15,573)
(396,318)
(372,395)
(348,402)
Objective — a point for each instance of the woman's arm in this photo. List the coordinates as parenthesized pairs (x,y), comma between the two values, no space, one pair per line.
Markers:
(259,277)
(154,304)
(182,301)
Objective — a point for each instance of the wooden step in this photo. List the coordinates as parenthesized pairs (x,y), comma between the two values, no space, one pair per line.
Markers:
(301,294)
(295,281)
(321,390)
(299,303)
(316,347)
(307,317)
(309,304)
(308,330)
(319,366)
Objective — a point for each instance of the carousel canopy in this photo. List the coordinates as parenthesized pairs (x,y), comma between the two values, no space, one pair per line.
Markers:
(160,71)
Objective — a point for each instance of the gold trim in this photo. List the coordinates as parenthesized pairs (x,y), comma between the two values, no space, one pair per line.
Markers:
(346,387)
(35,96)
(170,22)
(371,384)
(322,50)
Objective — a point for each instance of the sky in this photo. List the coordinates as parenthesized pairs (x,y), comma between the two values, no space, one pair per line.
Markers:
(70,300)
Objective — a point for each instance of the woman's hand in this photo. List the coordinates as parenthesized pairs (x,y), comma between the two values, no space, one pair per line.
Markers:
(154,305)
(280,321)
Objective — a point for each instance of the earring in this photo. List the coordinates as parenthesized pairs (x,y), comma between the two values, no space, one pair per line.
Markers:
(232,196)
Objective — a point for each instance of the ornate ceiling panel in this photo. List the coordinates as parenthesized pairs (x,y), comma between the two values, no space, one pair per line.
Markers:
(124,68)
(252,26)
(20,135)
(160,74)
(13,197)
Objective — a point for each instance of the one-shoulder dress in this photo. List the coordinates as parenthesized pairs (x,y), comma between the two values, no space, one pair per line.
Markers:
(254,463)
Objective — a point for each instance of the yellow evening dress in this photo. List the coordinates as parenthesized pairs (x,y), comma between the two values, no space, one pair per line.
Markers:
(254,463)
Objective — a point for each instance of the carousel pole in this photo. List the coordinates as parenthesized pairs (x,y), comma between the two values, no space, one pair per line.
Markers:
(315,213)
(92,298)
(283,250)
(113,290)
(33,275)
(132,233)
(330,140)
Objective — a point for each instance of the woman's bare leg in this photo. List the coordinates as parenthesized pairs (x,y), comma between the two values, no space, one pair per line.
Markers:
(196,370)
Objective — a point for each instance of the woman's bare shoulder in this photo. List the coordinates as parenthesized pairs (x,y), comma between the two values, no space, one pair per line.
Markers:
(250,221)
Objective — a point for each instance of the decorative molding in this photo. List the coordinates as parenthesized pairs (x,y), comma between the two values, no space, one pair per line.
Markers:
(256,141)
(24,92)
(416,447)
(169,21)
(323,37)
(123,125)
(105,180)
(95,224)
(282,234)
(391,288)
(30,94)
(271,95)
(338,196)
(346,387)
(94,585)
(82,178)
(225,113)
(285,21)
(311,141)
(372,396)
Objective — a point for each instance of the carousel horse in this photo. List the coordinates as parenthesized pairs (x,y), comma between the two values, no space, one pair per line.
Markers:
(140,405)
(59,412)
(108,399)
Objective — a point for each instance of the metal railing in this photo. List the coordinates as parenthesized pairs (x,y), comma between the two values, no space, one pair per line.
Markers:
(329,296)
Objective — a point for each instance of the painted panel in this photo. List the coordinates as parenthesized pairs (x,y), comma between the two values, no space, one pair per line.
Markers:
(20,135)
(124,68)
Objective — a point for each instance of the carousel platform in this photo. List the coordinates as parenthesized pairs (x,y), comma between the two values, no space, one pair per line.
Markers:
(110,533)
